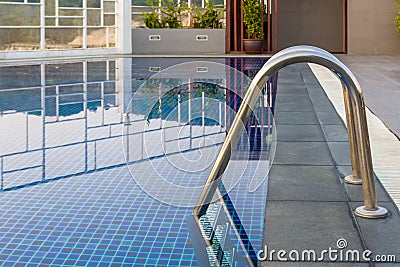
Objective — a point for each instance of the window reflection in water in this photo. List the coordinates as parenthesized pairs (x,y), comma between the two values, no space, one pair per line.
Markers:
(69,119)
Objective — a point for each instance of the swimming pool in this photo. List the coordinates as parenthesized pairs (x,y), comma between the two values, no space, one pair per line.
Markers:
(103,160)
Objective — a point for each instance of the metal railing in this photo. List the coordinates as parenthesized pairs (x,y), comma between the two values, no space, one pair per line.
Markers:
(356,120)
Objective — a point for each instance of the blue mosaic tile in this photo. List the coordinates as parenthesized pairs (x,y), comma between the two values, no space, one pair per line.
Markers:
(81,207)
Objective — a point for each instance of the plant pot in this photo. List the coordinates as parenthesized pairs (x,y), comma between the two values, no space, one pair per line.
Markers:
(252,45)
(178,41)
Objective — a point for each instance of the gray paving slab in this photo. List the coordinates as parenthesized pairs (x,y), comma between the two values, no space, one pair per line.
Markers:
(312,84)
(291,83)
(335,133)
(381,235)
(291,89)
(309,79)
(290,75)
(295,118)
(340,152)
(355,192)
(299,133)
(303,153)
(312,183)
(322,104)
(308,225)
(293,102)
(329,118)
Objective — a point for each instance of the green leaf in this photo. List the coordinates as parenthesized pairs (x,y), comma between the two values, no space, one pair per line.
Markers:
(397,20)
(253,12)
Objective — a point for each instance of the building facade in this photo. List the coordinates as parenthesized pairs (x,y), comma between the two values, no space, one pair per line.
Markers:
(52,28)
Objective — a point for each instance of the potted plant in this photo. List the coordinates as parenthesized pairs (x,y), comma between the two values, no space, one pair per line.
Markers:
(211,18)
(397,20)
(253,16)
(171,15)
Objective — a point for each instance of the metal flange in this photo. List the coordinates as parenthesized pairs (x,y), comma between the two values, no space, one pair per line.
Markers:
(349,179)
(380,212)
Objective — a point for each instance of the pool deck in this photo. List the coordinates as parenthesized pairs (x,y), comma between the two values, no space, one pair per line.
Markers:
(309,207)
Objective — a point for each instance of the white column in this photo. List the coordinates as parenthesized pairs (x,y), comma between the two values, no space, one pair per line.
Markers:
(123,26)
(124,84)
(42,26)
(84,24)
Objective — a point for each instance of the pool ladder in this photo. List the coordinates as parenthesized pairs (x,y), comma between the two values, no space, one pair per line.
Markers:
(360,151)
(216,234)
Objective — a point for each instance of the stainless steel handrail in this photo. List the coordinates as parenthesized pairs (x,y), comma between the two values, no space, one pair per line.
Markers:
(355,115)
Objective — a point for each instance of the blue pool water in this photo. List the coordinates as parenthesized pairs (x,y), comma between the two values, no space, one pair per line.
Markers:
(102,162)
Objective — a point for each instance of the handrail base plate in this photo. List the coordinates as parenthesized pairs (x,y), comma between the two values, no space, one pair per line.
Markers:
(380,212)
(351,180)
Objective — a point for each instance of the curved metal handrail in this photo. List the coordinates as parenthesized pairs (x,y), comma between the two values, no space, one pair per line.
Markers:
(355,115)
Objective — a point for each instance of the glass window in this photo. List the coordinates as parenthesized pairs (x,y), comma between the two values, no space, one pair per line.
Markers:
(64,38)
(96,37)
(109,7)
(19,15)
(93,3)
(20,24)
(94,18)
(19,39)
(70,3)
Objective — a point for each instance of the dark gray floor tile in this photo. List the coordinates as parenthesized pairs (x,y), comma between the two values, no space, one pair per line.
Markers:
(344,170)
(293,103)
(355,192)
(293,76)
(340,152)
(315,90)
(291,89)
(297,118)
(327,118)
(381,235)
(303,225)
(308,153)
(315,183)
(322,104)
(291,83)
(311,82)
(324,107)
(335,133)
(299,133)
(314,84)
(290,68)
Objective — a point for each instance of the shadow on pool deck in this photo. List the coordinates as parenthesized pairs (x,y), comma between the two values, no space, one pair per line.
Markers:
(308,205)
